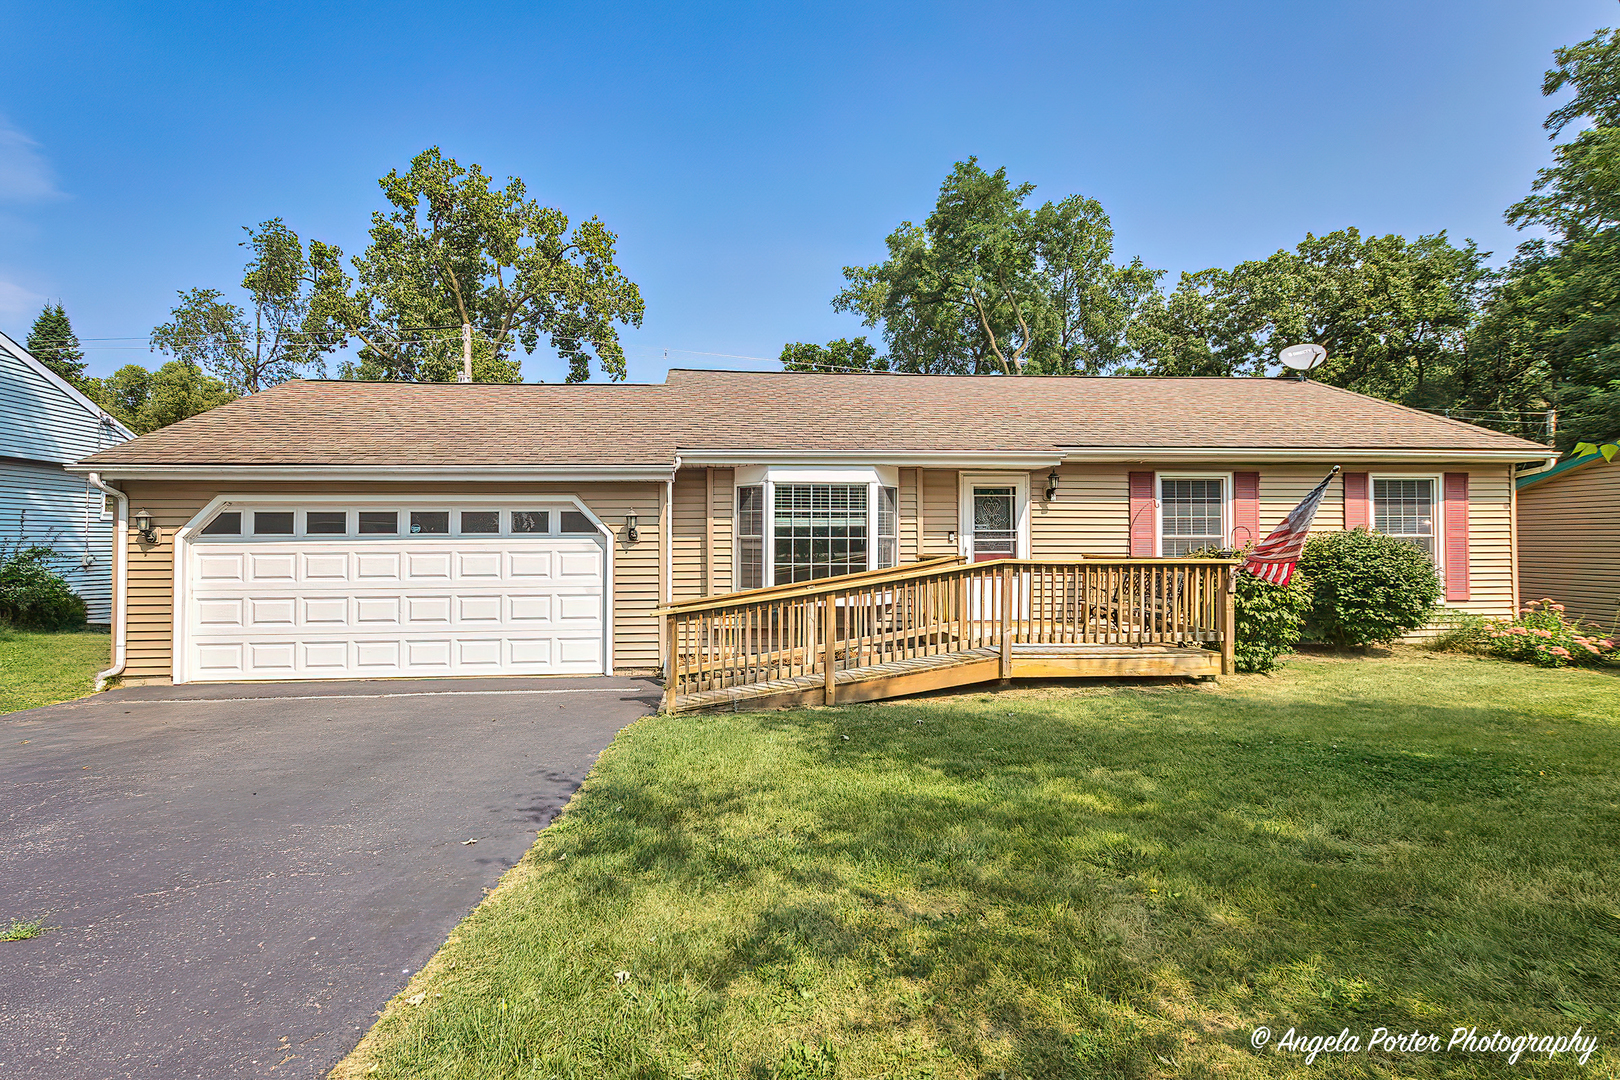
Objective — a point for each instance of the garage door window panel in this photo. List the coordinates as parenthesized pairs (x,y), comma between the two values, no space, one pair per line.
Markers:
(531,521)
(475,522)
(379,522)
(272,523)
(430,522)
(228,523)
(326,522)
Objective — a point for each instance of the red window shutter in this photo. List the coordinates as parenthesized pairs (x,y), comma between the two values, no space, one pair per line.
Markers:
(1456,536)
(1143,526)
(1356,515)
(1245,509)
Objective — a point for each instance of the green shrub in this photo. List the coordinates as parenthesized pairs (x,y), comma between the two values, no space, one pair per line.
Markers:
(35,596)
(1268,620)
(1366,588)
(1459,631)
(1542,635)
(1267,617)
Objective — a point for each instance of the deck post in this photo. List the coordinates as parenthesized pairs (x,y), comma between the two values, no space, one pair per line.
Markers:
(829,632)
(668,705)
(1006,620)
(1229,621)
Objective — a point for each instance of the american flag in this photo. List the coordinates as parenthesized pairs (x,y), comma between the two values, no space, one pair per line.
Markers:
(1273,559)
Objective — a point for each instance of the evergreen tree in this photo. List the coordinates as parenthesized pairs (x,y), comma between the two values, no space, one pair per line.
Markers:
(54,344)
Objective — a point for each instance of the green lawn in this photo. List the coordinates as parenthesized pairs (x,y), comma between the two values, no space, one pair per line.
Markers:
(44,668)
(1059,882)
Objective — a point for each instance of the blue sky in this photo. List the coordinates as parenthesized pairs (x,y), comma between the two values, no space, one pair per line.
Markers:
(746,153)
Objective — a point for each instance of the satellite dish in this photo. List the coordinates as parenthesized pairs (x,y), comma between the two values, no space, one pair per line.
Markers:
(1303,357)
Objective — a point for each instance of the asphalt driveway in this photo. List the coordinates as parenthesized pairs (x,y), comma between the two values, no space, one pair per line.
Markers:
(238,877)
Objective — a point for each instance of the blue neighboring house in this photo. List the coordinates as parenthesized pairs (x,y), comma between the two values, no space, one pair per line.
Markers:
(45,424)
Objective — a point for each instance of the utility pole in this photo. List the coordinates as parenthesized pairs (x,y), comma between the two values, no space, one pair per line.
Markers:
(1552,424)
(466,352)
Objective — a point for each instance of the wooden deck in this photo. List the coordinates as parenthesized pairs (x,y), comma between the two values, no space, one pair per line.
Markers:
(898,678)
(946,623)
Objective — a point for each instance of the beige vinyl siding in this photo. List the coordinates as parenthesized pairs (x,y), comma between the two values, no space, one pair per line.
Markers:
(911,543)
(1091,516)
(172,505)
(940,520)
(687,536)
(1568,547)
(724,508)
(1490,543)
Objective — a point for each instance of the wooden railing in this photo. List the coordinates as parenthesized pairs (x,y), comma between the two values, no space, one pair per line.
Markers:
(813,630)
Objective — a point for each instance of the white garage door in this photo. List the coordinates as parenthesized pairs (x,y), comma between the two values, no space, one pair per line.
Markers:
(365,593)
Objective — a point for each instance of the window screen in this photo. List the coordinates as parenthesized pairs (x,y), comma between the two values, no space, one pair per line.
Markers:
(318,522)
(820,531)
(751,536)
(531,521)
(480,521)
(379,521)
(1405,508)
(272,522)
(226,524)
(430,522)
(1193,515)
(575,522)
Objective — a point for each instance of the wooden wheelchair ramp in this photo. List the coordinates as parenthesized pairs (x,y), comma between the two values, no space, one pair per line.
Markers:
(945,623)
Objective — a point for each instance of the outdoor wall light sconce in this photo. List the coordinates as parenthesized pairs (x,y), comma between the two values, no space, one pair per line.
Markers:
(143,525)
(1051,485)
(631,533)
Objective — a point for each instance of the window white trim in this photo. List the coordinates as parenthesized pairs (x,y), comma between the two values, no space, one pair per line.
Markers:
(1182,474)
(1437,497)
(183,541)
(966,482)
(873,477)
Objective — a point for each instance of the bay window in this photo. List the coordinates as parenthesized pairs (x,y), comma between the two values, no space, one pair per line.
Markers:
(792,527)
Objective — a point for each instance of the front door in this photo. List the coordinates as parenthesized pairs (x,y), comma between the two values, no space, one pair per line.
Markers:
(995,522)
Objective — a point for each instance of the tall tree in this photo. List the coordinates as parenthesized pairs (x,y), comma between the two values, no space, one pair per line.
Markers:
(53,343)
(252,349)
(988,284)
(145,400)
(459,273)
(1554,325)
(1091,302)
(1393,314)
(843,355)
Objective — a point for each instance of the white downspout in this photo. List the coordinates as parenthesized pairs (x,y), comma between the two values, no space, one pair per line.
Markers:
(120,613)
(669,533)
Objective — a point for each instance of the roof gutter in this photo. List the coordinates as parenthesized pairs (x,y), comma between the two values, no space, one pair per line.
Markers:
(1554,468)
(120,582)
(1145,454)
(939,459)
(413,473)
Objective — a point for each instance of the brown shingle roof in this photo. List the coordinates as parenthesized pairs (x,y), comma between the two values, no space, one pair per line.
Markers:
(382,424)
